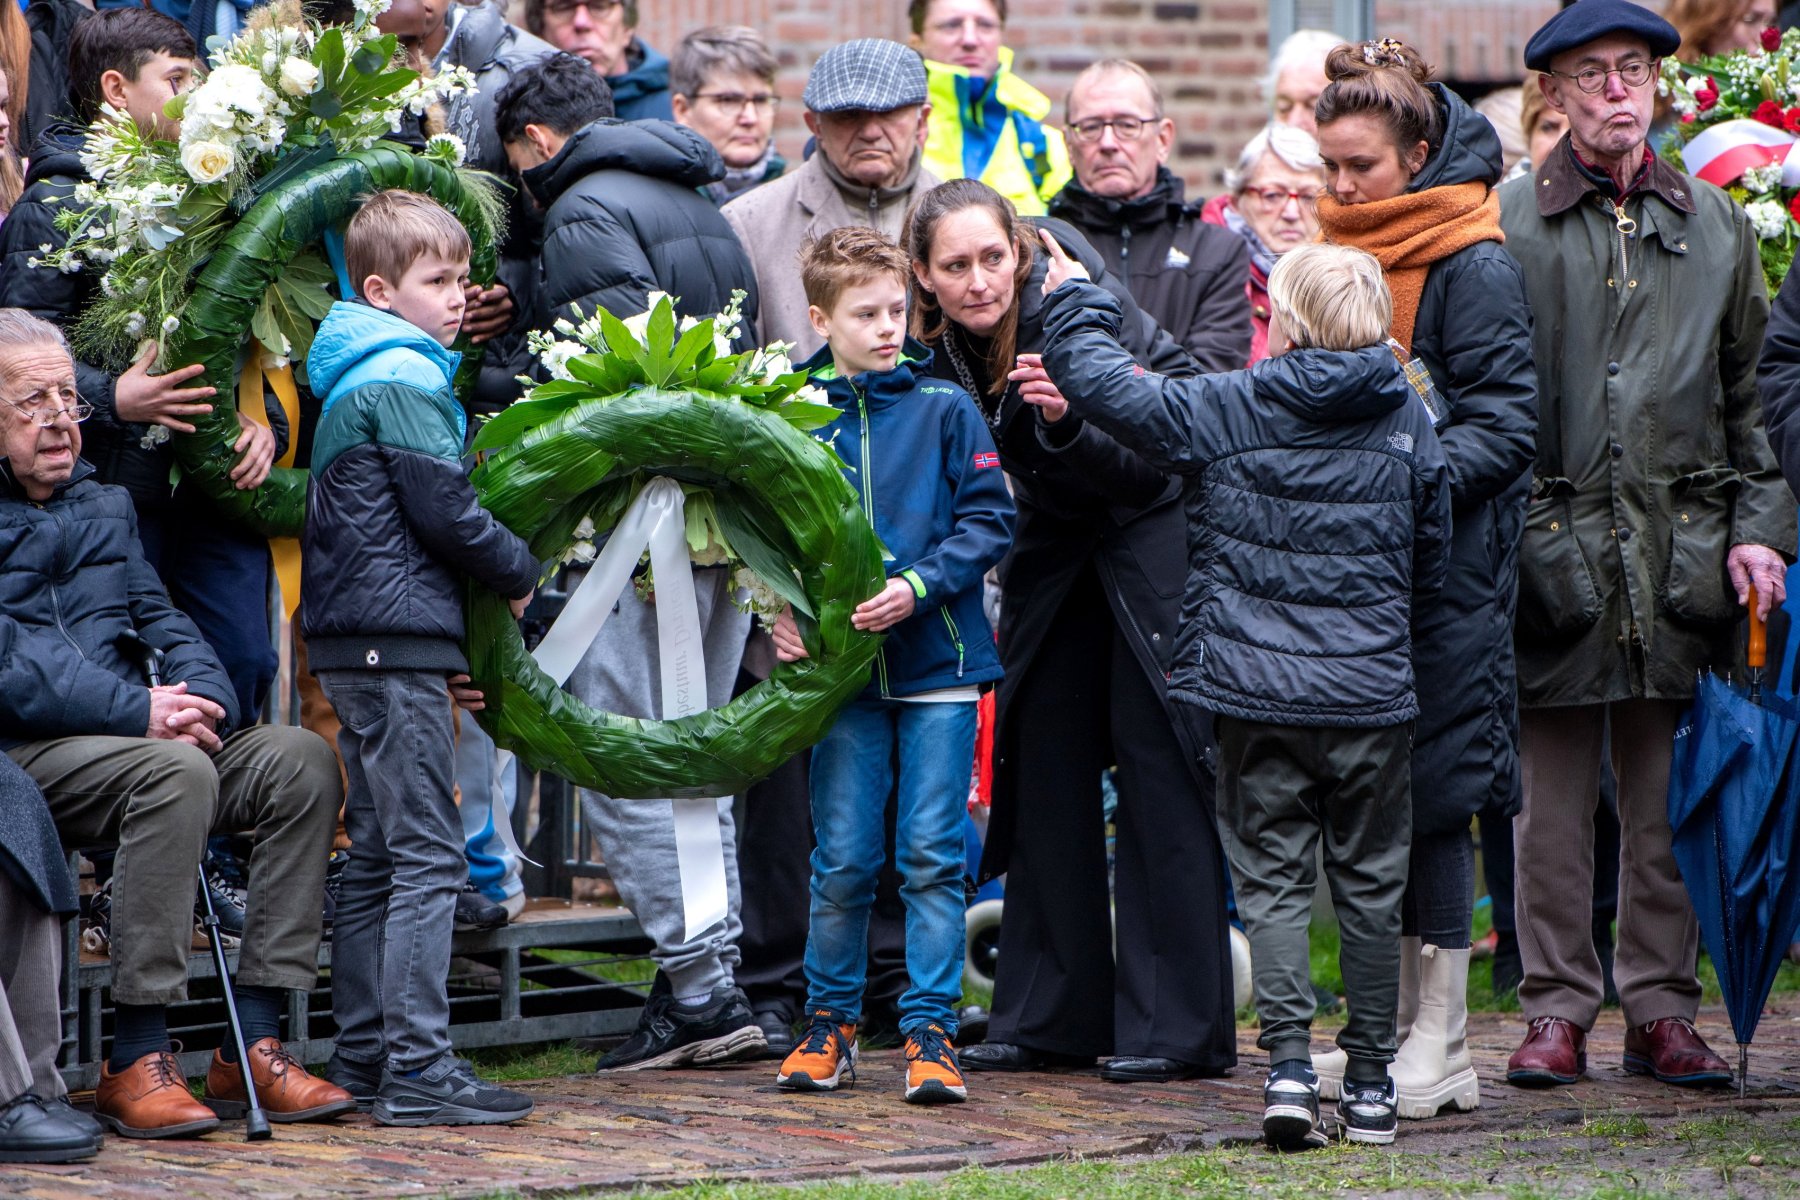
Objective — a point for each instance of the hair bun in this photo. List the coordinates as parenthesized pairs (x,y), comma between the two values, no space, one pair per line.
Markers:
(1354,60)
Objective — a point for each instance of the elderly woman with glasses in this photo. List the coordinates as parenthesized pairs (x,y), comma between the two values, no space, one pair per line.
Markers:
(1271,203)
(605,33)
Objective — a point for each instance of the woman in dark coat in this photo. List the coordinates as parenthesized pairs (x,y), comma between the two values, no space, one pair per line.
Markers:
(1410,171)
(1091,599)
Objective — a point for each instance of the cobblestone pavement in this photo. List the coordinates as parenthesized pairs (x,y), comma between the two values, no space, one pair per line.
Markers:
(674,1127)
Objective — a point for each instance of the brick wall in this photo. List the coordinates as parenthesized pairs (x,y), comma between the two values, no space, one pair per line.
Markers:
(1469,41)
(1207,55)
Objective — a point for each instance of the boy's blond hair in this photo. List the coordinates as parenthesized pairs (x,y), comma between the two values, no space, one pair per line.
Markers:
(847,257)
(1331,297)
(394,229)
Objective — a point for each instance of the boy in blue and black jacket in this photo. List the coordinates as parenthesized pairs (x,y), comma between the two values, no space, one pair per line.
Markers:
(921,459)
(393,529)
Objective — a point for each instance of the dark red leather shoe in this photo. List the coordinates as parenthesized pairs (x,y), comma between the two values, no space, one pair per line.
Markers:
(1673,1050)
(1553,1052)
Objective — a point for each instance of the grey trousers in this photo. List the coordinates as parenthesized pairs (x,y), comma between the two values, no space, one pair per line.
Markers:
(1553,846)
(396,909)
(1284,791)
(158,801)
(621,673)
(30,1008)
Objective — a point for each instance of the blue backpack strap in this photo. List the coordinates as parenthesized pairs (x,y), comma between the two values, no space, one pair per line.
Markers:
(334,254)
(1784,687)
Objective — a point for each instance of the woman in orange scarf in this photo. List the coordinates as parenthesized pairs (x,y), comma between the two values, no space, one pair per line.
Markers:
(1410,171)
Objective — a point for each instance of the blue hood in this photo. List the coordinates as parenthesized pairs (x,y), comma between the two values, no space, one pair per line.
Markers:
(353,333)
(643,90)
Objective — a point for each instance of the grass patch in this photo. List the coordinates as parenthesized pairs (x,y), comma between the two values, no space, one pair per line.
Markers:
(1616,1125)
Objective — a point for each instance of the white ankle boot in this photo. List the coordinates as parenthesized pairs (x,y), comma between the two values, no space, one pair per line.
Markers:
(1433,1067)
(1329,1067)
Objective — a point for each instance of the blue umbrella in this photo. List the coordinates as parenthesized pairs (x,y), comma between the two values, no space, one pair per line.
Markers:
(1734,811)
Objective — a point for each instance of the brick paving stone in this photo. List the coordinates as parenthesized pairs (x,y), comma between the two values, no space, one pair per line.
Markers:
(730,1123)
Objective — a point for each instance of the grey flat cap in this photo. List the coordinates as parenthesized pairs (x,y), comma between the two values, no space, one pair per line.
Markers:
(870,74)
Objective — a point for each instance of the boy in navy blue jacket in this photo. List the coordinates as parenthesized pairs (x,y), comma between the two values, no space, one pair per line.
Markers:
(920,457)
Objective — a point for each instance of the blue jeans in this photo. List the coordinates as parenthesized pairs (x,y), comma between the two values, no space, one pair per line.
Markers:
(852,776)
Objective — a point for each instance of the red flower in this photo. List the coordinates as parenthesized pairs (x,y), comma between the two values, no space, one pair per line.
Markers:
(1706,95)
(1771,39)
(1794,206)
(1791,122)
(1687,118)
(1769,113)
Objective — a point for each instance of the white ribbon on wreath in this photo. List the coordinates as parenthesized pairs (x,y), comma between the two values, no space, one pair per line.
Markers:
(655,520)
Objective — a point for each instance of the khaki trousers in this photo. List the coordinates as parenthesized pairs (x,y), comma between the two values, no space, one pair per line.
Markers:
(158,801)
(30,1008)
(1553,839)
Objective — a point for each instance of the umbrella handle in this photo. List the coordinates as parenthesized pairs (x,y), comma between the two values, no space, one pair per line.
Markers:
(1758,651)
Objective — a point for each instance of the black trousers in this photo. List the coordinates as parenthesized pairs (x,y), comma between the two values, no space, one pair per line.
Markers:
(775,841)
(1086,705)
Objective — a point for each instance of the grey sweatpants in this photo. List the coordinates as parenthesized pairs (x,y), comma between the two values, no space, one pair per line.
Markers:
(1284,790)
(622,673)
(30,1009)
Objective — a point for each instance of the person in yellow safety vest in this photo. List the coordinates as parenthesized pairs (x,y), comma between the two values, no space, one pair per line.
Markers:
(986,123)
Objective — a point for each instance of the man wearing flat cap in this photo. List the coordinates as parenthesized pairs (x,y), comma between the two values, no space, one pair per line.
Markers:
(865,103)
(1655,506)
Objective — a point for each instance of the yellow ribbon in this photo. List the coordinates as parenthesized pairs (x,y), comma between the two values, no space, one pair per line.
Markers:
(255,381)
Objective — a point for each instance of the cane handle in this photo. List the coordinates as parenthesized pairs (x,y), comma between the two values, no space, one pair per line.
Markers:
(1758,654)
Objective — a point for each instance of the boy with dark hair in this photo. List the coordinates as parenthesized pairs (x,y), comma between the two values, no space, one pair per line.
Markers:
(622,218)
(392,528)
(921,458)
(136,61)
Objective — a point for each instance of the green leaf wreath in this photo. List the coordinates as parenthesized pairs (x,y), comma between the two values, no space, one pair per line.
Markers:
(202,240)
(628,401)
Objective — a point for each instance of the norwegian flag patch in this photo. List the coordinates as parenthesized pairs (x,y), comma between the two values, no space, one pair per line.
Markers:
(985,459)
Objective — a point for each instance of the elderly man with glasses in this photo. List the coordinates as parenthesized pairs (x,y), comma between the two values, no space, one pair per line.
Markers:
(111,701)
(1187,274)
(1656,503)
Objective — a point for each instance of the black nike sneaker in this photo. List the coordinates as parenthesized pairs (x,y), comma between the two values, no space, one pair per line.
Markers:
(722,1029)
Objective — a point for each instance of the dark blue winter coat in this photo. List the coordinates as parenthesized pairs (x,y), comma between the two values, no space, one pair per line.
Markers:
(918,453)
(1318,505)
(643,90)
(73,580)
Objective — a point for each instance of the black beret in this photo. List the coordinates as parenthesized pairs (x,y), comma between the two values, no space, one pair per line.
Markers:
(1590,20)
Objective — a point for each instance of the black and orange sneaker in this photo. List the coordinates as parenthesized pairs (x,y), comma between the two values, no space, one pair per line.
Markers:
(826,1052)
(933,1076)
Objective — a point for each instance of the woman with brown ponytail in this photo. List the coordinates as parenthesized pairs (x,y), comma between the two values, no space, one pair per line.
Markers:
(1090,604)
(1410,173)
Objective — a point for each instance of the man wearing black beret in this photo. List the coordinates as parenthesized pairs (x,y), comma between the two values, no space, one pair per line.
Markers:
(1656,502)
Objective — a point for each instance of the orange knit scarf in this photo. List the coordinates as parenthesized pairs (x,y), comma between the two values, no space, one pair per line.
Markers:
(1410,232)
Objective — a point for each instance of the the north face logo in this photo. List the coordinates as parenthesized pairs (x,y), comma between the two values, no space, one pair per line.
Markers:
(1401,441)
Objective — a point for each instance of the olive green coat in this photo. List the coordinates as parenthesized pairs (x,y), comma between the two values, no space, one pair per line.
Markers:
(1651,457)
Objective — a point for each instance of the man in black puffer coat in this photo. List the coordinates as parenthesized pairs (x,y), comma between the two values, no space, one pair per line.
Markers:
(622,217)
(1185,273)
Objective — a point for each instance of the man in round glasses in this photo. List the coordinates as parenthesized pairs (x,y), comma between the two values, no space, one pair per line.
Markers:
(605,33)
(723,80)
(1187,274)
(1656,502)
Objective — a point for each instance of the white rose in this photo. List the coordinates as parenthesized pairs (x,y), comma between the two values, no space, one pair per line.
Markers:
(298,77)
(207,161)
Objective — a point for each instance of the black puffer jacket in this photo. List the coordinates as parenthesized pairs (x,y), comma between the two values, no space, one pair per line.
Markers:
(1473,330)
(1188,275)
(392,522)
(114,447)
(47,102)
(1318,505)
(1085,503)
(624,219)
(73,579)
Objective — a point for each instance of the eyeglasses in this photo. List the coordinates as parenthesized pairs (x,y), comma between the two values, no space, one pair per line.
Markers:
(596,8)
(1635,74)
(1273,200)
(1126,129)
(736,102)
(39,413)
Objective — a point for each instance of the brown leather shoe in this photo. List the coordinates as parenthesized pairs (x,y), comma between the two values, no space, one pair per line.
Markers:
(1672,1050)
(1553,1052)
(283,1088)
(150,1099)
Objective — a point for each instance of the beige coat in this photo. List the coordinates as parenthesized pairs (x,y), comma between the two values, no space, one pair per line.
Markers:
(773,221)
